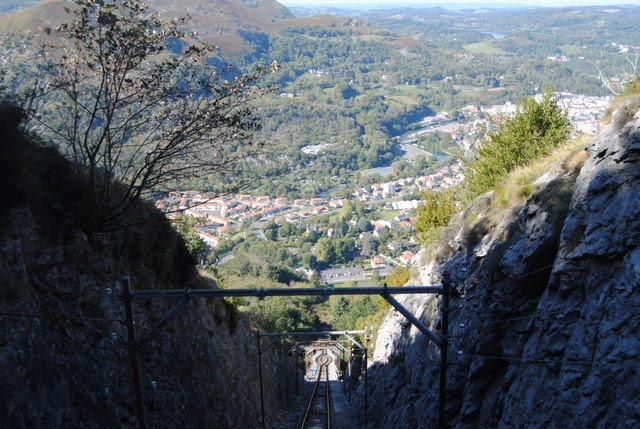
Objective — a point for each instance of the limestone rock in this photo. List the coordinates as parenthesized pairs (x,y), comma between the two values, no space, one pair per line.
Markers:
(544,326)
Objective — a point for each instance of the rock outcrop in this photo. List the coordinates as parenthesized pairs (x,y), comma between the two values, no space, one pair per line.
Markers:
(544,326)
(63,366)
(64,359)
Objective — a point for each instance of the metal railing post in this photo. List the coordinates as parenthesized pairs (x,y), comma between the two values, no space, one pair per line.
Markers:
(286,378)
(260,375)
(366,388)
(132,345)
(295,375)
(344,372)
(350,385)
(187,294)
(444,333)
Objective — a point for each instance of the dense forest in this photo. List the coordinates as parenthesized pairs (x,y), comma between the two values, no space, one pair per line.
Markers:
(352,87)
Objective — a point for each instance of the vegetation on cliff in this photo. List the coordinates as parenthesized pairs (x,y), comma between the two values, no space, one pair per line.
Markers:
(542,326)
(537,128)
(34,174)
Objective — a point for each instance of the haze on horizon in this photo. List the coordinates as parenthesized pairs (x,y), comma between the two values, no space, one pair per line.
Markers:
(367,4)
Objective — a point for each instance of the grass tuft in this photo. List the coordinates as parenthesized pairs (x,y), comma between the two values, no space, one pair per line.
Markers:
(628,100)
(521,183)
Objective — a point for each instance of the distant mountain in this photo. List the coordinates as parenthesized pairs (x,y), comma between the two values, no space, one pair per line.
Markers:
(237,26)
(234,25)
(355,8)
(7,6)
(30,16)
(323,10)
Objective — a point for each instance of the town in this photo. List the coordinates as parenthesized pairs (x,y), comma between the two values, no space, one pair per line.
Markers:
(390,204)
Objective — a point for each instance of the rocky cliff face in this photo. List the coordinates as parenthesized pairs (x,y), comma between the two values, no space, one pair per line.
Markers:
(63,353)
(544,315)
(63,347)
(62,365)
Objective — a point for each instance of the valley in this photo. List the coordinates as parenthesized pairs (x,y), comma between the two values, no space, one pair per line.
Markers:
(234,179)
(388,207)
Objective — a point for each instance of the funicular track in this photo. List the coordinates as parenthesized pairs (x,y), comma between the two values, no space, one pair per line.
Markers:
(135,343)
(317,414)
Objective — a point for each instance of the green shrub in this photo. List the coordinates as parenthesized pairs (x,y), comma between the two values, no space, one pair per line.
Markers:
(434,213)
(400,276)
(357,312)
(633,87)
(537,128)
(631,90)
(526,190)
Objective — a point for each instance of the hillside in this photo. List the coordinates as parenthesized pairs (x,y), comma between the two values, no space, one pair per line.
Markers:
(544,326)
(543,323)
(238,27)
(63,354)
(233,25)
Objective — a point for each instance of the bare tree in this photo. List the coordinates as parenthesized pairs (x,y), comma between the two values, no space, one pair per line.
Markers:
(629,73)
(138,106)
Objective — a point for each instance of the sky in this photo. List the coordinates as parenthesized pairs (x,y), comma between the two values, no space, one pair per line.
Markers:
(386,3)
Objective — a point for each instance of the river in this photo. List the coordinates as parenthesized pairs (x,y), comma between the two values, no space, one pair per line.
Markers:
(495,35)
(410,151)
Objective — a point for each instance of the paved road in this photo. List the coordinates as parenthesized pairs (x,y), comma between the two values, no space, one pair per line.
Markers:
(440,126)
(347,274)
(409,152)
(226,258)
(257,229)
(412,151)
(337,273)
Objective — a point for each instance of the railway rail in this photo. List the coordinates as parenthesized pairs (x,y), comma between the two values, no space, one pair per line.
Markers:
(318,411)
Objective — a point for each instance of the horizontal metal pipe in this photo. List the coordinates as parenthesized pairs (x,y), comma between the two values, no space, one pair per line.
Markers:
(311,334)
(207,293)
